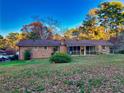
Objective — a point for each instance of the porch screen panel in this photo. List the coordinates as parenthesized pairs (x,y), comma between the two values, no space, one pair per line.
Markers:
(74,50)
(90,50)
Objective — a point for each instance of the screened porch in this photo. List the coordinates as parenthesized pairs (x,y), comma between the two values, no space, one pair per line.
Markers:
(81,50)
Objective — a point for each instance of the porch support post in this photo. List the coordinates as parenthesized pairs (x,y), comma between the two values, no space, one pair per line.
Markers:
(80,50)
(84,50)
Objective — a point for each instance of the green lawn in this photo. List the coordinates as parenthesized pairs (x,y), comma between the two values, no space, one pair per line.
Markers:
(85,74)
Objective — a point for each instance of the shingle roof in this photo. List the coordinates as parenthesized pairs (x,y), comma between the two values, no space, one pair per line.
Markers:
(87,43)
(2,51)
(67,43)
(39,43)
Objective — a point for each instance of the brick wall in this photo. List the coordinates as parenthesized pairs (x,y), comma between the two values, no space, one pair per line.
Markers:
(63,49)
(105,50)
(36,52)
(45,52)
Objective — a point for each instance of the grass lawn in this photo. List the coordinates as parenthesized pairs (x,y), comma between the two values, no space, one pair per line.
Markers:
(86,74)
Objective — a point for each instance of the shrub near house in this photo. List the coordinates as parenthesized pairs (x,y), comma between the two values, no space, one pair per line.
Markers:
(27,55)
(60,58)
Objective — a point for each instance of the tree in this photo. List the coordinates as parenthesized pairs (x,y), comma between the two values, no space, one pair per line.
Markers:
(121,41)
(110,15)
(90,30)
(37,30)
(52,24)
(118,42)
(87,27)
(57,37)
(13,38)
(72,34)
(21,36)
(3,44)
(10,41)
(1,37)
(103,22)
(95,33)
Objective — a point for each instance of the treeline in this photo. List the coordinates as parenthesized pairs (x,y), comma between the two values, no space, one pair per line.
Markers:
(101,23)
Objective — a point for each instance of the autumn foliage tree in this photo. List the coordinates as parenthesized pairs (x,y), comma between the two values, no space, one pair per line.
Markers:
(10,41)
(111,16)
(57,37)
(1,37)
(37,30)
(13,38)
(91,30)
(2,42)
(71,33)
(101,23)
(95,33)
(88,30)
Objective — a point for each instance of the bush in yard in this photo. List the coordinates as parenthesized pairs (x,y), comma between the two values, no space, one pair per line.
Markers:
(60,58)
(27,55)
(14,57)
(121,52)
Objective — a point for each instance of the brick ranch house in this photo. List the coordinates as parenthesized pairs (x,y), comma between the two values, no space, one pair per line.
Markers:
(45,48)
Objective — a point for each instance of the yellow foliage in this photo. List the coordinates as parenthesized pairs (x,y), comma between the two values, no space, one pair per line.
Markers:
(2,43)
(100,34)
(117,4)
(93,11)
(11,41)
(69,34)
(107,16)
(57,37)
(83,36)
(96,33)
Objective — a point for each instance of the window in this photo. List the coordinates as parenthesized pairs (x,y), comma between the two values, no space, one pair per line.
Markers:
(55,49)
(103,47)
(45,47)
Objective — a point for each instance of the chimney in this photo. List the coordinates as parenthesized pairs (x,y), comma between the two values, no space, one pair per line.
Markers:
(62,42)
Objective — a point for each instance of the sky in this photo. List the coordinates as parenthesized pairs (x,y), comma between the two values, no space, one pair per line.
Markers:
(16,13)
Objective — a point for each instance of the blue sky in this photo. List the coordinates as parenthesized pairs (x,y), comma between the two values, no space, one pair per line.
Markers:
(16,13)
